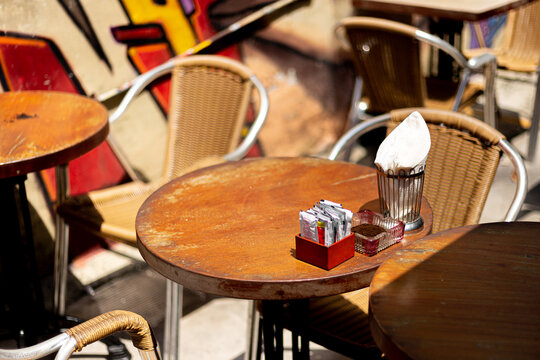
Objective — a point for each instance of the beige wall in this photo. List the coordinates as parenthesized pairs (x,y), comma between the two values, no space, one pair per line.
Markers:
(140,132)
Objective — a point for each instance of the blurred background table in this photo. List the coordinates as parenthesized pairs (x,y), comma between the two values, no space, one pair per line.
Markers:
(463,10)
(230,229)
(38,130)
(471,292)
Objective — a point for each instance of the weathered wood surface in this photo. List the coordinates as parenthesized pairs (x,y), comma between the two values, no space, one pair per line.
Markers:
(230,229)
(467,293)
(41,129)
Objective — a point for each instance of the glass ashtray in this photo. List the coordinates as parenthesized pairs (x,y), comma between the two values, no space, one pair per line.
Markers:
(374,232)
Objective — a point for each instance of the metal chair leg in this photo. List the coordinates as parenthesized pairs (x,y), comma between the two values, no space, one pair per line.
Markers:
(533,131)
(173,314)
(61,244)
(254,323)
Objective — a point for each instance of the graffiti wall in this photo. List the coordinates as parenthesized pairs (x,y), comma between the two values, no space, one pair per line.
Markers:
(92,47)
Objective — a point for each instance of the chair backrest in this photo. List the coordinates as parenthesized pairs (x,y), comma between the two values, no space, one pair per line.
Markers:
(520,50)
(461,164)
(386,56)
(210,99)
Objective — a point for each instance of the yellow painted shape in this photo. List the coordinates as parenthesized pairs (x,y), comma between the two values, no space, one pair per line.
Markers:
(170,16)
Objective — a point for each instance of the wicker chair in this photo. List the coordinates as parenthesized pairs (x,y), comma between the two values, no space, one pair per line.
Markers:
(461,164)
(79,336)
(387,60)
(520,52)
(210,99)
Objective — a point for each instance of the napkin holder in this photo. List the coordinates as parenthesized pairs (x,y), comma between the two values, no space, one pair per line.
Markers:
(325,257)
(400,195)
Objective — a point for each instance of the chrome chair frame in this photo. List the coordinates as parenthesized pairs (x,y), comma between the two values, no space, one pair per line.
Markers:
(173,310)
(76,338)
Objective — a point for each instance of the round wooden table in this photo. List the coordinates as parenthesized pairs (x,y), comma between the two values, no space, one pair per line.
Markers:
(42,129)
(230,229)
(467,293)
(38,130)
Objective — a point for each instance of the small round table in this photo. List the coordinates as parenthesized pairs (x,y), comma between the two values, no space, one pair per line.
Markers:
(230,229)
(38,130)
(471,292)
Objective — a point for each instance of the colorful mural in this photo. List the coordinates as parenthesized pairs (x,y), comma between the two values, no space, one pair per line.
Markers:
(156,30)
(30,62)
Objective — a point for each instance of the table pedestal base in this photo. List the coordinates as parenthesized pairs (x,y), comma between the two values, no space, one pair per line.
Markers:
(23,317)
(21,294)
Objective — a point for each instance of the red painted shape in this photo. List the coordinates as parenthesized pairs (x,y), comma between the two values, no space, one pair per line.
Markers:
(18,59)
(37,64)
(204,30)
(146,57)
(124,34)
(145,51)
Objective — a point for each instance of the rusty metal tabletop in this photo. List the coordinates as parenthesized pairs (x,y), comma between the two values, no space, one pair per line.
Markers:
(41,129)
(230,229)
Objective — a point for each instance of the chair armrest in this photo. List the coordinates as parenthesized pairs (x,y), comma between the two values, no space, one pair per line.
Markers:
(480,61)
(106,324)
(37,351)
(139,84)
(250,138)
(88,332)
(355,132)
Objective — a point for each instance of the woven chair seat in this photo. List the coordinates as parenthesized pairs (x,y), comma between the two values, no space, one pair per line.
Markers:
(111,212)
(520,47)
(344,317)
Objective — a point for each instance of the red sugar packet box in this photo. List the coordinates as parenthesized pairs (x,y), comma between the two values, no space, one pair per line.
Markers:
(325,257)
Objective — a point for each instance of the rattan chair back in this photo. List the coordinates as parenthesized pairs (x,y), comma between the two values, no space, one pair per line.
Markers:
(210,97)
(461,165)
(386,56)
(520,46)
(389,73)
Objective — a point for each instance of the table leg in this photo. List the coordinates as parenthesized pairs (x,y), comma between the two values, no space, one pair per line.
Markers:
(299,310)
(21,292)
(272,326)
(173,314)
(252,341)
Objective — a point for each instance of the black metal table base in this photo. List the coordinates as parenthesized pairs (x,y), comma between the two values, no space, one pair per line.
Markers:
(275,314)
(23,316)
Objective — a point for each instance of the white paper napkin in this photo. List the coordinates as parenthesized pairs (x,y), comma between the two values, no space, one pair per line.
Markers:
(406,147)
